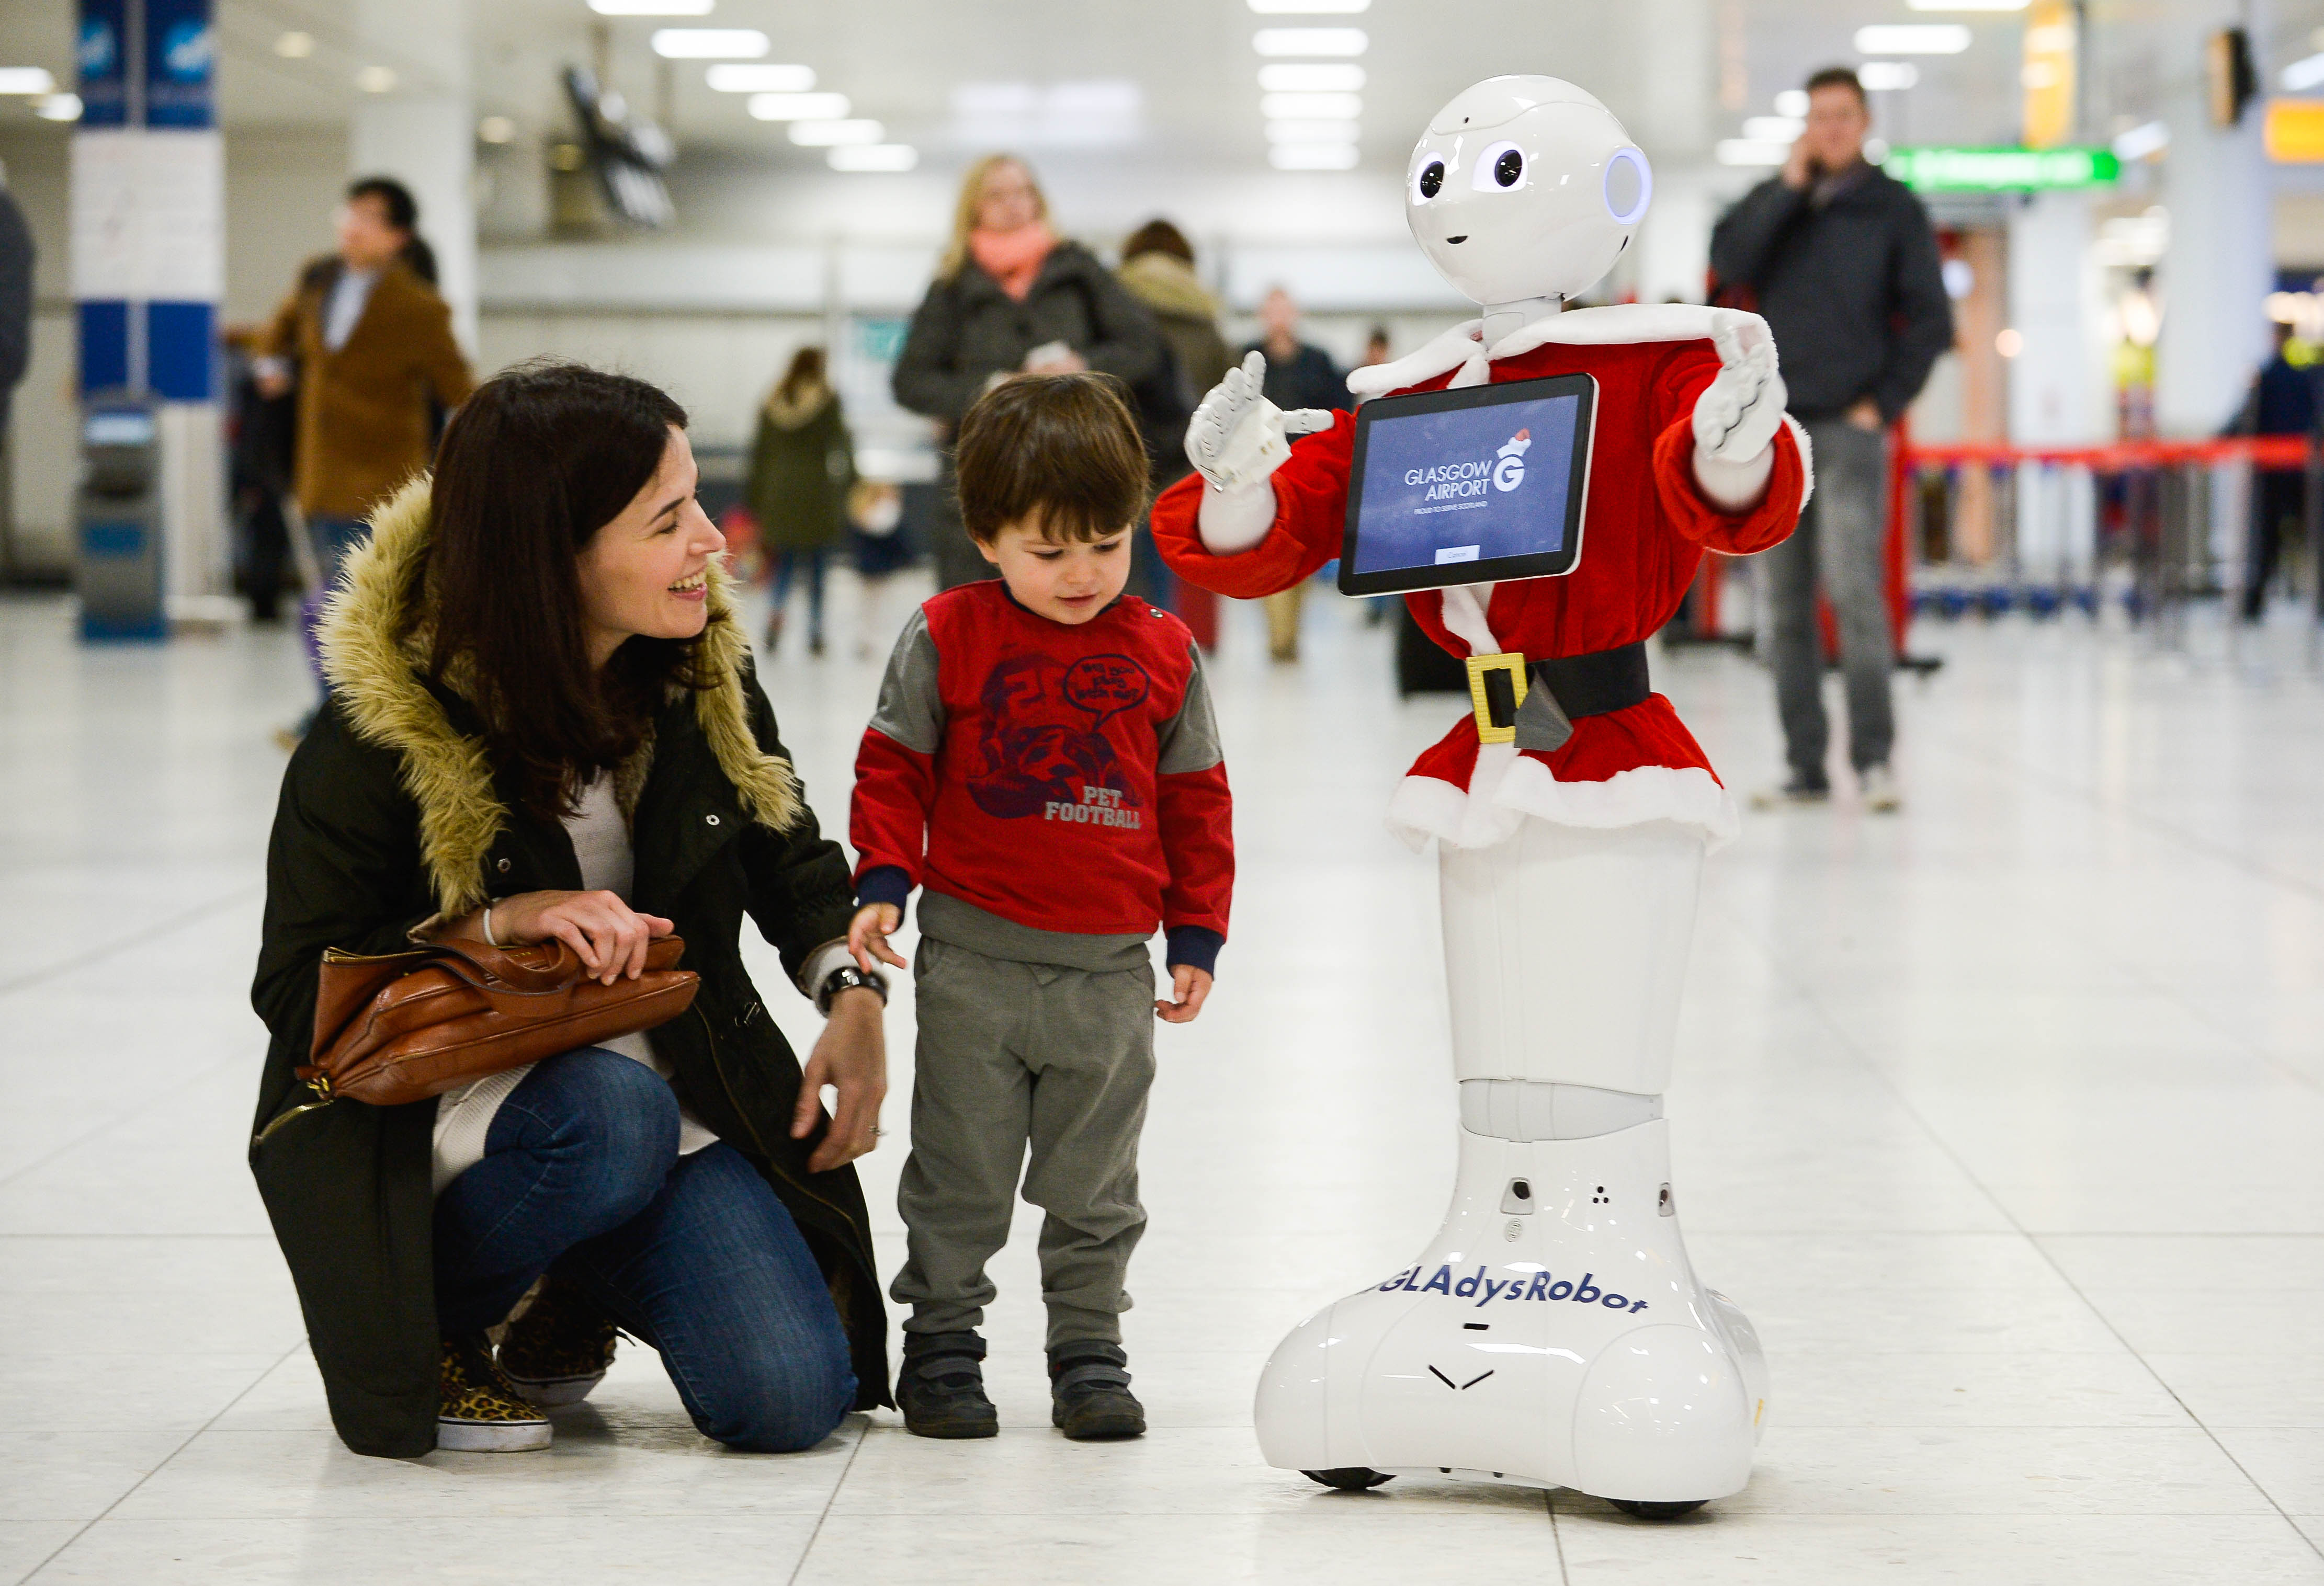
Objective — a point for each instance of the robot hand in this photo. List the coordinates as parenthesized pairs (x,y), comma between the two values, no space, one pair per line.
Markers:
(1737,416)
(1236,436)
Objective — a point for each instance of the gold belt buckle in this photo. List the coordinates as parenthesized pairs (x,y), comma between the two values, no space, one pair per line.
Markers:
(1497,686)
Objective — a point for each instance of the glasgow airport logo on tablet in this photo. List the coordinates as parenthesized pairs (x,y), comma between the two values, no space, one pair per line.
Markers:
(1509,471)
(1505,468)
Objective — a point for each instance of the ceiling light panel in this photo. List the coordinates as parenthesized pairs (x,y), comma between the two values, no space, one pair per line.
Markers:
(878,157)
(27,81)
(1310,40)
(1311,106)
(825,134)
(1771,129)
(800,107)
(295,46)
(652,7)
(1311,131)
(1912,38)
(709,44)
(1312,156)
(1310,7)
(1881,77)
(1965,5)
(752,76)
(1311,78)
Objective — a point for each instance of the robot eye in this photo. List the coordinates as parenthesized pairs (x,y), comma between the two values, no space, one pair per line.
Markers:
(1500,168)
(1430,181)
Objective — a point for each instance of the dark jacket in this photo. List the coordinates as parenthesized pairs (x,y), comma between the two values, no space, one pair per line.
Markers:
(1189,319)
(2282,400)
(16,260)
(802,466)
(390,815)
(1851,286)
(967,330)
(1307,378)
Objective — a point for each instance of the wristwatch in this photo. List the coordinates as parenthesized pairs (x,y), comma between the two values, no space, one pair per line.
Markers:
(844,978)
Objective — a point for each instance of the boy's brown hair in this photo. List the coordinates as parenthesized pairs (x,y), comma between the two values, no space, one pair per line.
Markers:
(1063,446)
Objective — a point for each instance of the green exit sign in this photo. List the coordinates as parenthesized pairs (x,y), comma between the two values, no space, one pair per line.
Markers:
(1988,171)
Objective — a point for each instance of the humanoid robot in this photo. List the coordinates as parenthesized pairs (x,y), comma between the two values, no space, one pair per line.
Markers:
(1553,1333)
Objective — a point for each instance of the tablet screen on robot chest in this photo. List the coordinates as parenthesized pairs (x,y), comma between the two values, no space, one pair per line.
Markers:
(1469,486)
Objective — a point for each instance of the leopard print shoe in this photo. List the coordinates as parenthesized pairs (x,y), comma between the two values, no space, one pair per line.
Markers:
(560,1348)
(481,1410)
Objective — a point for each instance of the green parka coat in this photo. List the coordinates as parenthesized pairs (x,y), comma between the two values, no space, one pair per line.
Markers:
(802,466)
(391,815)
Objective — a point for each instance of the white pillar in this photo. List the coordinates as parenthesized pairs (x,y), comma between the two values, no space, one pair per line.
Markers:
(2221,260)
(423,134)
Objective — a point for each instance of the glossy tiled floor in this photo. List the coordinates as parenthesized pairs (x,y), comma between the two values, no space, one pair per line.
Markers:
(2003,1119)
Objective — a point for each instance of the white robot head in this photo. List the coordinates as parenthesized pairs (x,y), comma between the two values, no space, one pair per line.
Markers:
(1525,187)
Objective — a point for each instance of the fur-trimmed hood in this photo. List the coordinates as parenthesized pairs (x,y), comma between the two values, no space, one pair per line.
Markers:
(375,657)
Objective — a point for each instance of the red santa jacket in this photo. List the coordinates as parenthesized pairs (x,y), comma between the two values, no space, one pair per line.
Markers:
(1645,528)
(1066,779)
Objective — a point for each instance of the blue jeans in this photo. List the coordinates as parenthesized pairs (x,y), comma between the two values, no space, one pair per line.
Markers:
(789,564)
(333,540)
(694,1255)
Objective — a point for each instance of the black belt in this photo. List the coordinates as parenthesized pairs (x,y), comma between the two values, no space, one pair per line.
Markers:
(1557,693)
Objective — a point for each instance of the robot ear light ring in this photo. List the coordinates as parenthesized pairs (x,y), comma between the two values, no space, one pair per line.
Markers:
(1552,1332)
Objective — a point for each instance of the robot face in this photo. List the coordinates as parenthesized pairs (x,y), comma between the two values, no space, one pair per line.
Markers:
(1525,187)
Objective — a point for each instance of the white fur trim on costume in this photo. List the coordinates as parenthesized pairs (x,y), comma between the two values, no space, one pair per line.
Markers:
(1461,609)
(1509,787)
(1807,460)
(1424,362)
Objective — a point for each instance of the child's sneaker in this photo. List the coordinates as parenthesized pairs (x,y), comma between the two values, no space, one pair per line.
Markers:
(560,1348)
(481,1410)
(941,1389)
(1090,1399)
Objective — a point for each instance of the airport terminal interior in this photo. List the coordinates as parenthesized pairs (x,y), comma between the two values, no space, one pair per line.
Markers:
(1994,1057)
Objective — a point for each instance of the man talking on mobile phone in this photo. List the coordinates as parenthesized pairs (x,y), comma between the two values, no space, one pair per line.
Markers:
(1845,269)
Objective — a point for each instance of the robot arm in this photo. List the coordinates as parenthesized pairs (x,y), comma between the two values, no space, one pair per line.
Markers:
(1236,441)
(1737,416)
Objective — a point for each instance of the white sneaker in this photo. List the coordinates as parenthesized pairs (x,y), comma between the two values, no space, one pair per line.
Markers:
(1877,784)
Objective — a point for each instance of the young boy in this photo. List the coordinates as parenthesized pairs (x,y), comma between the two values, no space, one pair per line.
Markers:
(1044,764)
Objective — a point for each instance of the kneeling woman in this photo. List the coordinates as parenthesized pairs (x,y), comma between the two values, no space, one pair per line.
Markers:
(543,722)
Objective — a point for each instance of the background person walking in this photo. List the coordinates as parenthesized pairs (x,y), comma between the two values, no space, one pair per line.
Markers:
(368,344)
(802,466)
(1844,265)
(1010,297)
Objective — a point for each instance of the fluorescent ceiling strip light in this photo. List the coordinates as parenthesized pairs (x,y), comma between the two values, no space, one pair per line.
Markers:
(1314,106)
(2150,138)
(709,44)
(825,134)
(745,77)
(1311,131)
(1965,5)
(2304,73)
(1750,151)
(800,107)
(1311,78)
(1772,129)
(1310,7)
(1310,42)
(1312,156)
(1881,77)
(652,7)
(1912,38)
(887,157)
(26,80)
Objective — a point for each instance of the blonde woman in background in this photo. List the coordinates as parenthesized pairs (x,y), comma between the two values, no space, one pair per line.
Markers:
(802,467)
(1010,297)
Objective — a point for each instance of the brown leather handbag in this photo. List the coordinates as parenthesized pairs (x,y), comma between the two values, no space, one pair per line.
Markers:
(402,1027)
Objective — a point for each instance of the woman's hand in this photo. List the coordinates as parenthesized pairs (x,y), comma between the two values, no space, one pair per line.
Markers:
(1188,987)
(868,933)
(608,935)
(850,1056)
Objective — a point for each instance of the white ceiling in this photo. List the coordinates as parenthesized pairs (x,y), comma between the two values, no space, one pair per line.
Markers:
(1661,64)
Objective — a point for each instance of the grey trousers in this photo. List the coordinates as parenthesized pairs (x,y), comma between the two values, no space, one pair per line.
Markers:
(1015,1055)
(1843,538)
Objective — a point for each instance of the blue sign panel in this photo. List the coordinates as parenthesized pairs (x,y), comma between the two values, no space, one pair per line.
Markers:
(101,52)
(180,63)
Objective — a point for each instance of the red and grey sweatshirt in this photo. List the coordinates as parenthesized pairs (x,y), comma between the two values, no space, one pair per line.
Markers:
(1051,786)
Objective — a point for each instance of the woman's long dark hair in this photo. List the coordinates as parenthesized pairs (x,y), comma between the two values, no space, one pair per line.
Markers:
(805,370)
(533,464)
